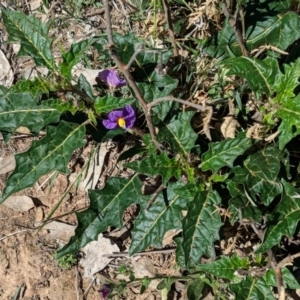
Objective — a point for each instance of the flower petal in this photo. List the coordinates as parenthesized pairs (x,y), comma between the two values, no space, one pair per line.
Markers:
(114,115)
(103,75)
(129,116)
(111,78)
(110,125)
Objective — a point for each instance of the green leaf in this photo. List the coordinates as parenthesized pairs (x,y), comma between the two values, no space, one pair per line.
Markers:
(289,279)
(195,289)
(109,103)
(53,152)
(286,220)
(252,288)
(35,87)
(72,57)
(127,44)
(260,174)
(179,133)
(85,86)
(225,267)
(21,109)
(267,23)
(158,86)
(289,109)
(106,209)
(201,227)
(32,36)
(180,257)
(67,105)
(224,153)
(260,74)
(158,164)
(151,225)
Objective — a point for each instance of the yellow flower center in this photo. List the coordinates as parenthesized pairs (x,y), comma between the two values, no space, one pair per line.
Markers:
(121,122)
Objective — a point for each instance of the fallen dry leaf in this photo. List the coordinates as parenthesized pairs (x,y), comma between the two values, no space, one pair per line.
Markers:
(93,260)
(143,267)
(19,203)
(228,127)
(59,230)
(6,73)
(7,164)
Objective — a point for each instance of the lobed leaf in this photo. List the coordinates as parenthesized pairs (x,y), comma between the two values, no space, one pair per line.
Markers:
(106,209)
(72,57)
(286,219)
(32,36)
(158,164)
(260,74)
(272,28)
(201,227)
(289,279)
(53,152)
(260,174)
(289,104)
(151,225)
(158,86)
(179,133)
(224,153)
(21,109)
(225,267)
(252,288)
(127,45)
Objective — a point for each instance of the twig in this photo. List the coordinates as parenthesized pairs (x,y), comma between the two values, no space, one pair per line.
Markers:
(76,282)
(154,196)
(287,261)
(261,49)
(171,98)
(88,288)
(118,254)
(170,26)
(113,54)
(272,259)
(234,24)
(14,233)
(96,12)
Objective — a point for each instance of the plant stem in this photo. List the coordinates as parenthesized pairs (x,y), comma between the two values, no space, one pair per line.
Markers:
(171,98)
(123,68)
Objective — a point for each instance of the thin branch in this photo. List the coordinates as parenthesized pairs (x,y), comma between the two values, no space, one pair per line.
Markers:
(288,260)
(234,24)
(119,254)
(272,259)
(170,26)
(171,98)
(14,233)
(113,54)
(76,282)
(154,196)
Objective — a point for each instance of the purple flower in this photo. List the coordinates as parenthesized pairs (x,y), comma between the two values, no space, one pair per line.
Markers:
(104,292)
(111,78)
(124,118)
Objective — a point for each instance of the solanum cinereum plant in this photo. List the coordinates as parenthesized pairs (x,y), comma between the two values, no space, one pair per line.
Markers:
(239,180)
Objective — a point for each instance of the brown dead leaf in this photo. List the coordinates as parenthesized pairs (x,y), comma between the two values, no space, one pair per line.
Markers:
(6,73)
(7,164)
(93,261)
(255,131)
(59,230)
(143,267)
(19,203)
(206,122)
(168,237)
(228,127)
